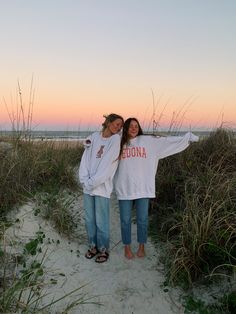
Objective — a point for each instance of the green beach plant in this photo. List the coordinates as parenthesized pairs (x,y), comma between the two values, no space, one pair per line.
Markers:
(25,170)
(30,167)
(25,283)
(196,204)
(21,112)
(58,208)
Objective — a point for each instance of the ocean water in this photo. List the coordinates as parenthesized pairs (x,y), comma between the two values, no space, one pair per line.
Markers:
(78,135)
(49,135)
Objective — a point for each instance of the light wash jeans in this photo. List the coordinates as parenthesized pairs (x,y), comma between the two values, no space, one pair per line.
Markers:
(97,221)
(141,206)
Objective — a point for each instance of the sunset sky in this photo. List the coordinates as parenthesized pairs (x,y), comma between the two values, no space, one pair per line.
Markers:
(174,59)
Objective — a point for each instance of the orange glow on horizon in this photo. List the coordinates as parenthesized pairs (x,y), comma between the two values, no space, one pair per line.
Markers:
(83,112)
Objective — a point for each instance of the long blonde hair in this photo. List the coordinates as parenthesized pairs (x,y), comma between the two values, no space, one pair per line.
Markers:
(110,118)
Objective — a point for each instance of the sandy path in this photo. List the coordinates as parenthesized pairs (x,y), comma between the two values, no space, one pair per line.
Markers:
(121,286)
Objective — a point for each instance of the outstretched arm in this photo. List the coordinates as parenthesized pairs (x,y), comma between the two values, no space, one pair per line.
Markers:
(171,145)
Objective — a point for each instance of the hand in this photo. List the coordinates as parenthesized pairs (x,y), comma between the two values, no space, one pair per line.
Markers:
(193,138)
(87,143)
(88,185)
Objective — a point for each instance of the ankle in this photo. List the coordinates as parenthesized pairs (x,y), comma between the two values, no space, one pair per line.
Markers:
(128,252)
(141,250)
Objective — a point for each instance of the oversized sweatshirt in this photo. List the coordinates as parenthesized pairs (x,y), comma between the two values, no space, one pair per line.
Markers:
(99,163)
(135,176)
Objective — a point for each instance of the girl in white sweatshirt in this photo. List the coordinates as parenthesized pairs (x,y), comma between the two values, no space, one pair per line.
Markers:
(97,168)
(135,177)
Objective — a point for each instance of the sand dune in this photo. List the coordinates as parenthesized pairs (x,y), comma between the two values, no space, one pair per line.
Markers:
(119,286)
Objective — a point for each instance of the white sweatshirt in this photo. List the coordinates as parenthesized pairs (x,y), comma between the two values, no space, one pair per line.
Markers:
(135,176)
(99,163)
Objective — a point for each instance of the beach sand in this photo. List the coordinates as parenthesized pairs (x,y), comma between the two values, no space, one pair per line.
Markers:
(60,143)
(119,285)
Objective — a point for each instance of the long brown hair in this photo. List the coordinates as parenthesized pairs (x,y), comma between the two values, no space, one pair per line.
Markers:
(125,138)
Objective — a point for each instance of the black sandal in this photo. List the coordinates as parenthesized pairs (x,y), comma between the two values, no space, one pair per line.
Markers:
(91,253)
(102,257)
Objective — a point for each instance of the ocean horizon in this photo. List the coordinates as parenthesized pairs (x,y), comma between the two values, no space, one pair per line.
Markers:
(80,135)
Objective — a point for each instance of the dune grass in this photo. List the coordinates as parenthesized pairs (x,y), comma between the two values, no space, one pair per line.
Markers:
(195,211)
(25,281)
(29,167)
(29,171)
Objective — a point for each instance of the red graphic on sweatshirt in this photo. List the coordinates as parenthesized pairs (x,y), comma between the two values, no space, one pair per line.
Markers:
(100,152)
(130,152)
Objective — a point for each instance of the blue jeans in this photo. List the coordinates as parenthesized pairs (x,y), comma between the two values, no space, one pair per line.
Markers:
(141,206)
(97,221)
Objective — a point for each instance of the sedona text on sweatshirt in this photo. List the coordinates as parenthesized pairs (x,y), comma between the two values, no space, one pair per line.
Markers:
(129,152)
(136,172)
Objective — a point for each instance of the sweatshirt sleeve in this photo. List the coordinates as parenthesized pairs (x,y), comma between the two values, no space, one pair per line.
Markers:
(171,145)
(107,166)
(83,168)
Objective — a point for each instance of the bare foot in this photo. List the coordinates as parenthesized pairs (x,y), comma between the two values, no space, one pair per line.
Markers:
(141,251)
(128,252)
